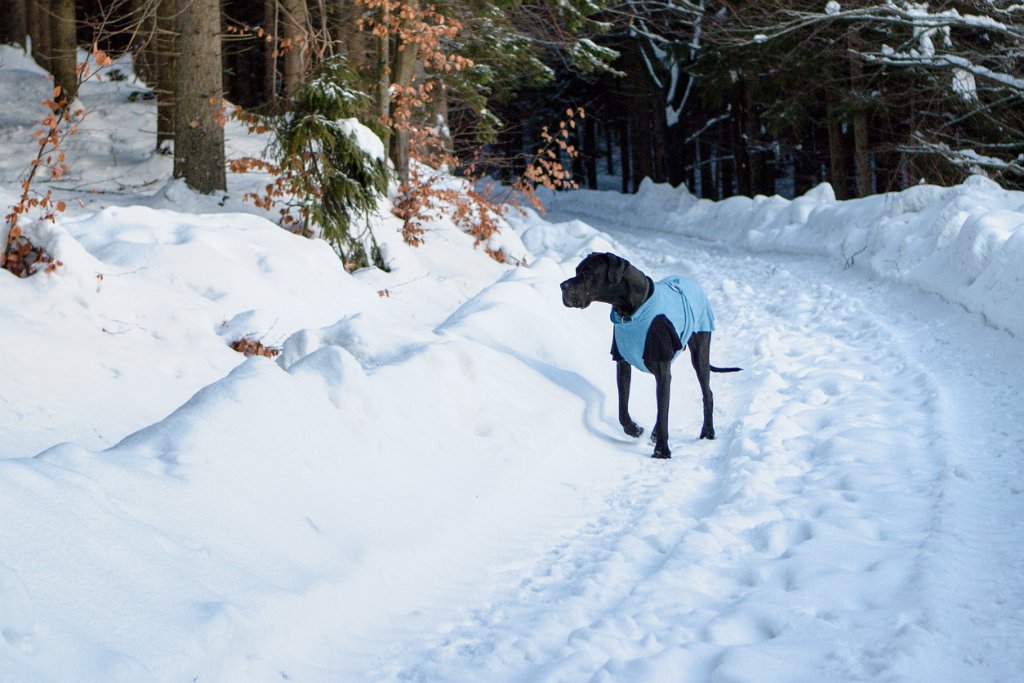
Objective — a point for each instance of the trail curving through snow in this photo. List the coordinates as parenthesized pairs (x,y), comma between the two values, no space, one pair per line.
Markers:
(858,518)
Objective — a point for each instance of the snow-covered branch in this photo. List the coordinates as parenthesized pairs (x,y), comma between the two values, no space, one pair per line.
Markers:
(916,15)
(947,61)
(969,158)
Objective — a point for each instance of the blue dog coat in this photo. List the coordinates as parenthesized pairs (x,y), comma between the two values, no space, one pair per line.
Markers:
(680,300)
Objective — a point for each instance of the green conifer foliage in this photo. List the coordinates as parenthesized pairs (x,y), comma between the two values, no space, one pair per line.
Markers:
(335,180)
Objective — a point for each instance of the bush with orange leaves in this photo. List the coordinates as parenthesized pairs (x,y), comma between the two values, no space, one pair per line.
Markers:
(20,256)
(478,211)
(429,193)
(547,169)
(253,347)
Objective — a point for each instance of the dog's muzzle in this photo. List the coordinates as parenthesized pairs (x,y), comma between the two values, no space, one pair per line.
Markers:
(572,297)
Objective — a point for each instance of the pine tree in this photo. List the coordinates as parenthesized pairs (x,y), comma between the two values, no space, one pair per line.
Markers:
(326,167)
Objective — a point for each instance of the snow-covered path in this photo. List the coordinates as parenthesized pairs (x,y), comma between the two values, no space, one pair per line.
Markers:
(858,518)
(433,486)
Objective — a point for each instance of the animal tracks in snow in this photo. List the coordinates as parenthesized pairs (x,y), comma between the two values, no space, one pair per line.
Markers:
(777,546)
(797,546)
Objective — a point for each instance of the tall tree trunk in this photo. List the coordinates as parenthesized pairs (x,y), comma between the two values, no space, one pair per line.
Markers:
(342,24)
(718,167)
(709,186)
(836,153)
(296,34)
(198,133)
(405,64)
(590,150)
(143,43)
(636,93)
(12,22)
(382,71)
(166,52)
(861,146)
(41,38)
(693,172)
(520,154)
(511,141)
(805,171)
(359,48)
(32,26)
(64,47)
(640,127)
(727,167)
(677,154)
(659,135)
(439,113)
(862,153)
(740,152)
(270,50)
(609,146)
(624,160)
(756,154)
(682,151)
(576,170)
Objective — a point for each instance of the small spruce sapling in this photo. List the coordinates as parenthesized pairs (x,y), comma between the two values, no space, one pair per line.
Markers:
(326,181)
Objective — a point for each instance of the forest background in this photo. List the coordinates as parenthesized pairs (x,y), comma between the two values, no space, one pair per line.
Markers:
(727,97)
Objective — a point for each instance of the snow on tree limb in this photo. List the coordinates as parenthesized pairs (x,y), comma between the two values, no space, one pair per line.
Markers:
(948,61)
(967,157)
(913,14)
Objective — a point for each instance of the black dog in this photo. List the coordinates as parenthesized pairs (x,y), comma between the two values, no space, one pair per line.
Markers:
(653,322)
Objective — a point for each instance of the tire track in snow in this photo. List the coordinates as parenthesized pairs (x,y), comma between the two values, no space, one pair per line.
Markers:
(799,541)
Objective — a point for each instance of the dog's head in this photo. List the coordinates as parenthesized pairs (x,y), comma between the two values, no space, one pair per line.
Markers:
(596,277)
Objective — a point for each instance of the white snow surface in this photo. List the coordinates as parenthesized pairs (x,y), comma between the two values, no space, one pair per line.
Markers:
(429,483)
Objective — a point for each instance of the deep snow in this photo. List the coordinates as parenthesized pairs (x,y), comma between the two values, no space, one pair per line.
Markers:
(429,483)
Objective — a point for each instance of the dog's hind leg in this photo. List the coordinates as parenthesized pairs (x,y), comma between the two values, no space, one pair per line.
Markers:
(700,356)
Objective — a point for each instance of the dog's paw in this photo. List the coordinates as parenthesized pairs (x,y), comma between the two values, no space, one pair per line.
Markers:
(661,449)
(633,429)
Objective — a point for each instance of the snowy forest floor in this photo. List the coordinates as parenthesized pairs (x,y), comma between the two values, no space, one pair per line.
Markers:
(858,518)
(431,485)
(873,427)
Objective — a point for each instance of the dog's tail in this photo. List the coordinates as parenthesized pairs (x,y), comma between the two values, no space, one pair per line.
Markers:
(714,369)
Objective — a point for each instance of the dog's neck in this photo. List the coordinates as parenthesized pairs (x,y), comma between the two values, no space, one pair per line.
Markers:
(634,289)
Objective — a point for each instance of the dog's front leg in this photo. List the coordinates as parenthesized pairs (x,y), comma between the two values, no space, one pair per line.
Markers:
(623,378)
(663,385)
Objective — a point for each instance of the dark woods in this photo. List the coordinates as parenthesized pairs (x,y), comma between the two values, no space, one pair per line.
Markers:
(724,97)
(764,98)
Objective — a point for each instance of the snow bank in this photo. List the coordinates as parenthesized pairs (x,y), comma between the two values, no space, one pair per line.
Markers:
(286,500)
(964,243)
(205,516)
(150,298)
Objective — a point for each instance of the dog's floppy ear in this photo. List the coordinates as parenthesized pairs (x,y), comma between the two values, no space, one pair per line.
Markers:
(617,267)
